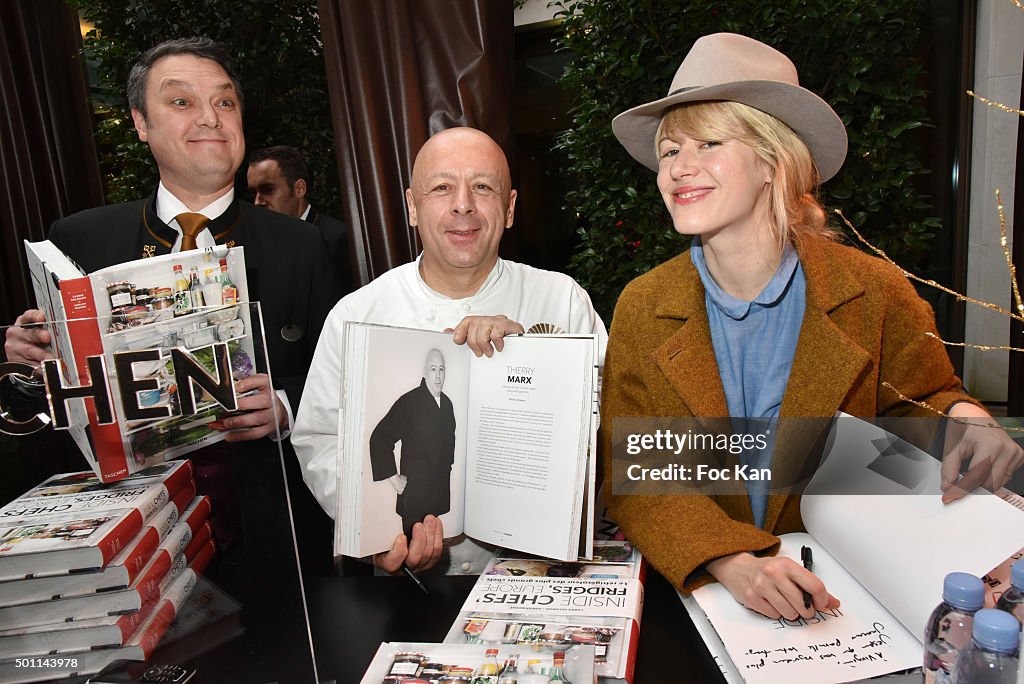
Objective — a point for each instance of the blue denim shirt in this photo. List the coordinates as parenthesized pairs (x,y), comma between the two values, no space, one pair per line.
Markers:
(754,346)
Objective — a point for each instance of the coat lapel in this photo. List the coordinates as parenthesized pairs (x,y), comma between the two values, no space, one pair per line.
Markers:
(687,357)
(827,362)
(826,366)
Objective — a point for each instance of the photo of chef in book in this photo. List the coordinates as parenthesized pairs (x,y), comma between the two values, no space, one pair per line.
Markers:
(423,420)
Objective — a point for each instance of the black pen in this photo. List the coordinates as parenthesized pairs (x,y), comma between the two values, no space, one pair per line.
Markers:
(808,559)
(412,575)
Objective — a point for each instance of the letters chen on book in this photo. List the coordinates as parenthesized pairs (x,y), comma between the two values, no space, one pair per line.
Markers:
(144,365)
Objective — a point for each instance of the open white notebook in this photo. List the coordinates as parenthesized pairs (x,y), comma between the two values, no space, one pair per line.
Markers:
(884,555)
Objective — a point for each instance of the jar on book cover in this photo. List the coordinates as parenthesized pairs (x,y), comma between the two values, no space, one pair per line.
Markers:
(406,664)
(431,671)
(143,297)
(121,294)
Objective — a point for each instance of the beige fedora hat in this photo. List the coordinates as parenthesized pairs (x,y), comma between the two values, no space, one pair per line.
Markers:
(728,66)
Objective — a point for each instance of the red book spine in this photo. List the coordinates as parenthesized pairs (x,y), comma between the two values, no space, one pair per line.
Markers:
(198,513)
(182,499)
(141,554)
(86,340)
(156,625)
(146,547)
(130,622)
(123,532)
(148,584)
(179,478)
(203,557)
(199,539)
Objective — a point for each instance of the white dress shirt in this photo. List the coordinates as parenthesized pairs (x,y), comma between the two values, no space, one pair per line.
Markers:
(168,207)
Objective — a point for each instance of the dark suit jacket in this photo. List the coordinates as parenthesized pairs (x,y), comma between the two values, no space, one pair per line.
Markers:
(286,267)
(427,432)
(334,234)
(864,325)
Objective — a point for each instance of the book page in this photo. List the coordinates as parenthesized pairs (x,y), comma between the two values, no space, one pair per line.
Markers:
(403,413)
(857,640)
(529,427)
(902,541)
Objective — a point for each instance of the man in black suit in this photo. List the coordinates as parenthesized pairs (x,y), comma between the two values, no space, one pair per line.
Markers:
(186,103)
(279,180)
(423,419)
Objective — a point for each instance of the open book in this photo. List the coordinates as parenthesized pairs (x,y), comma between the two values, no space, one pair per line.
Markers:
(138,307)
(883,555)
(500,448)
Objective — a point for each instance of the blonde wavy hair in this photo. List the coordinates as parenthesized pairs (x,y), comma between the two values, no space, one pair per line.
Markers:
(793,208)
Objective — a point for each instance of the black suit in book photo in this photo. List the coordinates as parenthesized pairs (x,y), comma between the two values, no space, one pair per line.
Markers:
(410,437)
(423,421)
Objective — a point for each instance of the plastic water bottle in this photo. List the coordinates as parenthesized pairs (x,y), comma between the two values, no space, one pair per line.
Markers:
(991,657)
(1012,600)
(949,627)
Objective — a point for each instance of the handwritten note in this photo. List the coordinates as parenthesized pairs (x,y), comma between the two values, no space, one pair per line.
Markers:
(857,640)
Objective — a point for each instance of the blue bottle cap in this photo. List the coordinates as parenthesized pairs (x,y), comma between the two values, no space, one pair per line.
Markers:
(963,590)
(996,630)
(1017,574)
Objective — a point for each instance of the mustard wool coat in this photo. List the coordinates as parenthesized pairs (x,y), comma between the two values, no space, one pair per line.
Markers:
(864,324)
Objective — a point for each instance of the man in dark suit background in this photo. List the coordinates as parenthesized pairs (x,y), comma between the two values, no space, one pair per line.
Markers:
(423,419)
(279,180)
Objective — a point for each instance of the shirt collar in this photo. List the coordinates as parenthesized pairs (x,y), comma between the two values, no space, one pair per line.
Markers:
(736,308)
(488,284)
(168,206)
(305,214)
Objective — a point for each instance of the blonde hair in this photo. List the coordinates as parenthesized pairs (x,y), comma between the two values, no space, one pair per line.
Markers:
(794,211)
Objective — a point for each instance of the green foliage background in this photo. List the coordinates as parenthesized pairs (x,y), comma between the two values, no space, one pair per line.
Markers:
(277,50)
(856,54)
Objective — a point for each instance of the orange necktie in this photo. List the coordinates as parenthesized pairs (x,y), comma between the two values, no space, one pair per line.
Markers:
(191,225)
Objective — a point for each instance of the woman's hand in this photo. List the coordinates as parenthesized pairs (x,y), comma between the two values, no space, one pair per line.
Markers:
(974,435)
(772,586)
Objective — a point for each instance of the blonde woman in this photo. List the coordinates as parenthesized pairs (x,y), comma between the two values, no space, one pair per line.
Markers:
(765,316)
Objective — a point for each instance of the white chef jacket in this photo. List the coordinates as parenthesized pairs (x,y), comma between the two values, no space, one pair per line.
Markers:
(400,297)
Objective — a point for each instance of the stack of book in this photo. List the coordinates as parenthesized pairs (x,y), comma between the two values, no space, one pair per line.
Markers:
(92,573)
